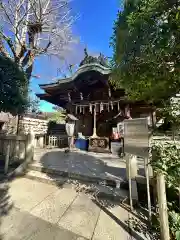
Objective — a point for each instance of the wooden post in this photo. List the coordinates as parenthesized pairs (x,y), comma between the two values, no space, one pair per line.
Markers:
(162,203)
(130,184)
(146,160)
(7,158)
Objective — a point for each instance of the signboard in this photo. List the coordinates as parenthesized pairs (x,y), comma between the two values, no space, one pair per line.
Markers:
(136,137)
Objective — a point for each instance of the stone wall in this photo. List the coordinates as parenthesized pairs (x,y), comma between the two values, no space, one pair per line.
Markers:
(26,123)
(39,126)
(10,125)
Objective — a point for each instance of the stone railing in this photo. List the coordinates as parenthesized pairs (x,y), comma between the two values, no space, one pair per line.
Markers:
(16,148)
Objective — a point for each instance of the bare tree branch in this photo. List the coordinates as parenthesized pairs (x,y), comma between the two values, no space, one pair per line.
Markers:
(9,42)
(38,27)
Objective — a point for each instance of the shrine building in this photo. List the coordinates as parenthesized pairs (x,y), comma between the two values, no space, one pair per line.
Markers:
(89,95)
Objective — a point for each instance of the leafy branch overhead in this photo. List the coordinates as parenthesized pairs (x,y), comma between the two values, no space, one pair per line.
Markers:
(146,43)
(34,27)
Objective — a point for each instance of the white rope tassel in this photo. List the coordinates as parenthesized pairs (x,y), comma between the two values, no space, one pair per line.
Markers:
(109,92)
(90,108)
(118,107)
(112,105)
(97,108)
(101,107)
(108,107)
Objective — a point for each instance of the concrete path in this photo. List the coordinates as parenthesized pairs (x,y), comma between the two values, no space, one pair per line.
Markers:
(38,211)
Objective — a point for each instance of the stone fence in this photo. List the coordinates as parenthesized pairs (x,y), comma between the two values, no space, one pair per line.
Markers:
(16,149)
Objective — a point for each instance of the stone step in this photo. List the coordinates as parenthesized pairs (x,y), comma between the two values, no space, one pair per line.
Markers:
(95,190)
(108,181)
(43,177)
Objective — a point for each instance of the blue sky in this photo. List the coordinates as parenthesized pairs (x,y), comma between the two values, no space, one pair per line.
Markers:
(93,27)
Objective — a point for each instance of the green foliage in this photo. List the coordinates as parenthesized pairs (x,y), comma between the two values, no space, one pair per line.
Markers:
(166,158)
(13,87)
(171,111)
(146,47)
(174,222)
(58,116)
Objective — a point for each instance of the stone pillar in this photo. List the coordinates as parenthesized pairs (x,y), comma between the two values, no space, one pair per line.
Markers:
(41,141)
(29,152)
(29,155)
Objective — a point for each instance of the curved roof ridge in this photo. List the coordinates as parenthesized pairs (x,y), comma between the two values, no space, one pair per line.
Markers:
(84,68)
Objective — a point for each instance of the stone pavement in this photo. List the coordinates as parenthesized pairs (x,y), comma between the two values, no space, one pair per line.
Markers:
(39,211)
(100,165)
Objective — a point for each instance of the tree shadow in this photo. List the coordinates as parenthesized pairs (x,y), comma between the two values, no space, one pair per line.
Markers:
(86,173)
(150,231)
(82,164)
(5,203)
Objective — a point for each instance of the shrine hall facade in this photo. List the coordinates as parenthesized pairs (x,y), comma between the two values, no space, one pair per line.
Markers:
(89,95)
